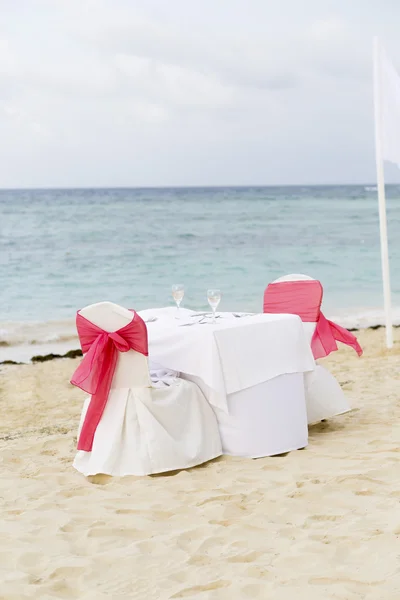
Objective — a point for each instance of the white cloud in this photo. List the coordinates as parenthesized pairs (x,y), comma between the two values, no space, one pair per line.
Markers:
(332,29)
(122,93)
(7,59)
(177,86)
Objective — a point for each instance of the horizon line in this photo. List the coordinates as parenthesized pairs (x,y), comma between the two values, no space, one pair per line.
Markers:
(172,187)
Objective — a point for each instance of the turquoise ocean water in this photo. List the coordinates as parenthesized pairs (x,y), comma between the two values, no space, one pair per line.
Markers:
(63,249)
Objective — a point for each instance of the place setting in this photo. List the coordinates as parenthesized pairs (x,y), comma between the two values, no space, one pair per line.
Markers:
(214,297)
(209,318)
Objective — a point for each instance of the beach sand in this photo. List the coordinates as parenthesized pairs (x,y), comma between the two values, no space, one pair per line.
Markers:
(318,524)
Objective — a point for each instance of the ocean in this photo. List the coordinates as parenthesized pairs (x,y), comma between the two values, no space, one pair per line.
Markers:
(63,249)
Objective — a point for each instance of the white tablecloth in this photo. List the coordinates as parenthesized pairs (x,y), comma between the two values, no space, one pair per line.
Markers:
(233,355)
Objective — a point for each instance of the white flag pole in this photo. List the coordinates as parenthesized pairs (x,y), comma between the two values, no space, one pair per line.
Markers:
(381,194)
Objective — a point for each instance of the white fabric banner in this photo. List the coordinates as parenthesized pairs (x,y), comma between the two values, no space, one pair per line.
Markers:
(389,90)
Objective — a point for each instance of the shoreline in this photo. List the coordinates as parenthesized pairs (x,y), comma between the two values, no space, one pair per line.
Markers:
(75,353)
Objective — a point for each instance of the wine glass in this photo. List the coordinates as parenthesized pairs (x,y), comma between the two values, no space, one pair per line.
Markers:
(178,291)
(214,298)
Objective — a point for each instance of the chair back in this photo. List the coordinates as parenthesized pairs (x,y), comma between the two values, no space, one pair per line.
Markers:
(296,294)
(132,367)
(294,277)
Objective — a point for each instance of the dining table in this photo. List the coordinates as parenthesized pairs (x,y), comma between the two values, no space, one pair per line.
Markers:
(250,368)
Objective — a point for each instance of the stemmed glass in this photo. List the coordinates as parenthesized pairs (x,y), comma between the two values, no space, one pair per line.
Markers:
(178,291)
(214,298)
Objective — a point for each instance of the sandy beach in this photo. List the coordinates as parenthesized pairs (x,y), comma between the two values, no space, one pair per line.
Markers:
(318,524)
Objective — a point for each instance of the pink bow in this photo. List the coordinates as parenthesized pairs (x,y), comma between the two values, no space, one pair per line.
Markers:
(303,298)
(96,371)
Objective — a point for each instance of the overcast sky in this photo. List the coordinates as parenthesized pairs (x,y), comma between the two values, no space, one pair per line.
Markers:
(189,92)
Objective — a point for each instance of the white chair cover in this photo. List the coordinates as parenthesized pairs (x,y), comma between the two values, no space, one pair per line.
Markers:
(324,396)
(145,430)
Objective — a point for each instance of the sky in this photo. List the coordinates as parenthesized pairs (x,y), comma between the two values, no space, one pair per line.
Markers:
(190,92)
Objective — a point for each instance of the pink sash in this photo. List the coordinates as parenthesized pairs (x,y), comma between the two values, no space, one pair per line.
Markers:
(96,371)
(303,298)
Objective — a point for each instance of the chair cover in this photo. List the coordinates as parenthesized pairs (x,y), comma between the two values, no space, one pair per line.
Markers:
(304,298)
(96,371)
(302,295)
(127,427)
(324,396)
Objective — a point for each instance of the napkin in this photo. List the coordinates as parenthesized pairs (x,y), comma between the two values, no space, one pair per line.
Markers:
(160,376)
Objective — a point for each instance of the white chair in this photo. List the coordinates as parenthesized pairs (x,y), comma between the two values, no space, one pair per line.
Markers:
(144,430)
(324,396)
(309,328)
